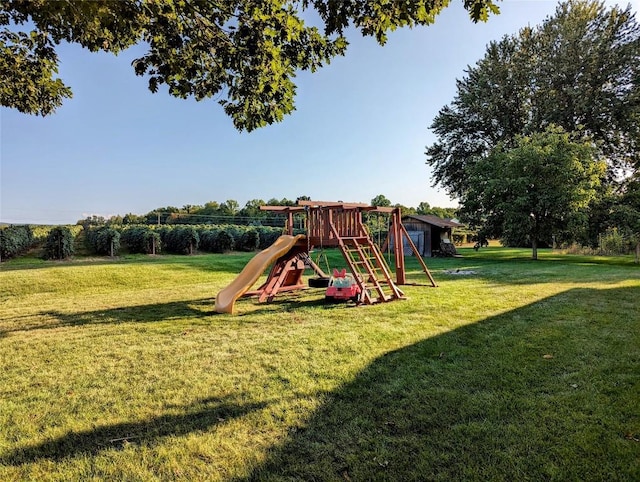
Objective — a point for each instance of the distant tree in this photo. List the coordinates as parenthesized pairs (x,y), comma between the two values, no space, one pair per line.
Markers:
(533,190)
(380,201)
(115,220)
(210,208)
(404,210)
(246,52)
(133,219)
(423,208)
(445,213)
(579,70)
(229,208)
(92,220)
(251,209)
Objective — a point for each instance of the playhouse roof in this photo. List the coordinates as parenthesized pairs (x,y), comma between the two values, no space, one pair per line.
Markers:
(434,220)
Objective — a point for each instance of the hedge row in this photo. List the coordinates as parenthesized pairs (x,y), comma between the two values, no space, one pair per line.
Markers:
(15,240)
(180,239)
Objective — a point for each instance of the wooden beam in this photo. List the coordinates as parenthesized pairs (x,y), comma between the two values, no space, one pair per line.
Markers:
(332,204)
(294,209)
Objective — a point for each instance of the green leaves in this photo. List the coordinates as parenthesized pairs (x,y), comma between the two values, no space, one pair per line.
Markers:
(59,243)
(579,70)
(28,63)
(246,53)
(530,192)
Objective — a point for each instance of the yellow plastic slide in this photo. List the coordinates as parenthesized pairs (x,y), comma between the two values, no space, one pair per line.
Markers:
(251,272)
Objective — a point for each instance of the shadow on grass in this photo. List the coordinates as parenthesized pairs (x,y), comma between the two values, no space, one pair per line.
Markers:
(290,302)
(495,253)
(130,314)
(548,391)
(215,262)
(203,415)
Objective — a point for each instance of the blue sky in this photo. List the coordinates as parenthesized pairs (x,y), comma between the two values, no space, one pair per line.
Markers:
(360,129)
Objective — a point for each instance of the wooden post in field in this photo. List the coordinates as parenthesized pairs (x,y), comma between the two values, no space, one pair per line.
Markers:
(112,248)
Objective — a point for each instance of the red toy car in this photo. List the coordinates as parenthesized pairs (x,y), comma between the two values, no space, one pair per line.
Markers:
(343,286)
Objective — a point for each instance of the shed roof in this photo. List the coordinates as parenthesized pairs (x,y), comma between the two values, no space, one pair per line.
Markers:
(435,220)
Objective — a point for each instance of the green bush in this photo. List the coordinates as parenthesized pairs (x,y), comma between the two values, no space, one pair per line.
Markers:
(208,239)
(103,240)
(59,243)
(268,236)
(249,240)
(141,239)
(224,242)
(613,242)
(182,240)
(15,240)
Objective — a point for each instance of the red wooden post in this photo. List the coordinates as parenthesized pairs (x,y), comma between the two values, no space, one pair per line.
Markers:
(290,222)
(398,245)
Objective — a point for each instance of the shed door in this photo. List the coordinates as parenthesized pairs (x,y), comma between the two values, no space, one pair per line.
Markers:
(418,239)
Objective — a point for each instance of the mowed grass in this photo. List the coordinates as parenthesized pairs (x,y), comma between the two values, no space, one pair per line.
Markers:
(121,370)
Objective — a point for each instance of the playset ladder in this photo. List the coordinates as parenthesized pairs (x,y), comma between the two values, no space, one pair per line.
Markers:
(369,269)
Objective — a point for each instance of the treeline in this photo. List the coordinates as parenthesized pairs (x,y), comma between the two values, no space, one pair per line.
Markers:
(229,212)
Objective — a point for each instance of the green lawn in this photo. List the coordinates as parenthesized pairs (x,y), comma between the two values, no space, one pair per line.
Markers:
(121,370)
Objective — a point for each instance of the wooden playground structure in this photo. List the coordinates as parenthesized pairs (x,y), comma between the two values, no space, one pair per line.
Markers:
(332,224)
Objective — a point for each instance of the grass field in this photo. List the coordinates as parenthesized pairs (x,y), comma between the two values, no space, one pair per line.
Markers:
(121,370)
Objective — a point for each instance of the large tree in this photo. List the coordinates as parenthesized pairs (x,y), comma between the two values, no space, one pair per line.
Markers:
(534,190)
(245,51)
(579,70)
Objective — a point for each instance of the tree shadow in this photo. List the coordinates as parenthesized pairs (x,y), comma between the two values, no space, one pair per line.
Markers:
(290,302)
(155,312)
(200,416)
(543,392)
(526,272)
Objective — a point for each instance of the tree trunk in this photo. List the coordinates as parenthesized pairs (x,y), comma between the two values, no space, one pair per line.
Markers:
(534,247)
(638,252)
